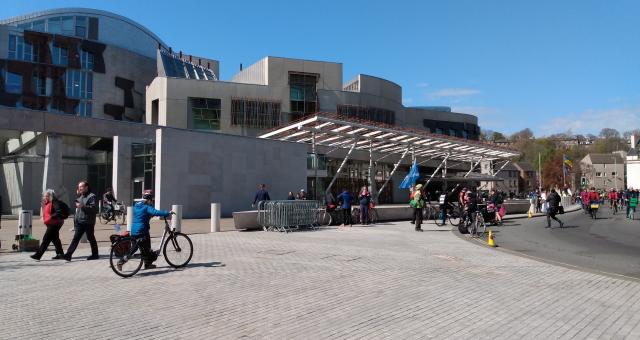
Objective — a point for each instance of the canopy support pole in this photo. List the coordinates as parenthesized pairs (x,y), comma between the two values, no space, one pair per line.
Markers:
(502,167)
(473,167)
(395,167)
(372,174)
(344,161)
(444,161)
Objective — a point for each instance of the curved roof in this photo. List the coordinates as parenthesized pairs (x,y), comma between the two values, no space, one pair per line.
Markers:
(79,10)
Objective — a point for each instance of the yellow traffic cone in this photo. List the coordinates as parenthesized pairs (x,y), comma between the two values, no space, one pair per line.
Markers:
(529,214)
(491,242)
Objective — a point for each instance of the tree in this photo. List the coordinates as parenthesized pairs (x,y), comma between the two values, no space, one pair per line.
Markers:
(627,134)
(497,136)
(523,134)
(552,171)
(609,133)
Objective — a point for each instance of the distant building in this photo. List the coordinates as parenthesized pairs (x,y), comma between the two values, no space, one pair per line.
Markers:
(603,171)
(527,177)
(509,175)
(633,163)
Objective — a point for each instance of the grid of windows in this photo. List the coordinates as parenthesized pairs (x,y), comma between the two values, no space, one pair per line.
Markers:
(79,84)
(368,113)
(67,25)
(39,84)
(255,113)
(13,83)
(19,50)
(176,67)
(86,60)
(205,113)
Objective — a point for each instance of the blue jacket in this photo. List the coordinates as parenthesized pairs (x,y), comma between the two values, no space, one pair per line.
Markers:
(142,213)
(345,197)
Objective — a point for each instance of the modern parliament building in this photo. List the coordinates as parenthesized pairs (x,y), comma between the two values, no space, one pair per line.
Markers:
(89,94)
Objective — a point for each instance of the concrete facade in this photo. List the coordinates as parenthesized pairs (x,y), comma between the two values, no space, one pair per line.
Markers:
(196,169)
(633,163)
(603,171)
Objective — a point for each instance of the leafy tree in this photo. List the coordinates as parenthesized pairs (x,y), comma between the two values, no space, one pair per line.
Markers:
(609,133)
(524,134)
(497,136)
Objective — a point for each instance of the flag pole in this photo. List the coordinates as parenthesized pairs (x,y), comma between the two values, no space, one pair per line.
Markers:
(564,182)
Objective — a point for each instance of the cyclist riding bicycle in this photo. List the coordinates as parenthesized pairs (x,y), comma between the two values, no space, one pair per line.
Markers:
(143,212)
(613,198)
(108,200)
(470,206)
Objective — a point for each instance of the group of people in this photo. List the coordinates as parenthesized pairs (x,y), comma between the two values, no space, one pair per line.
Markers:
(345,201)
(262,195)
(617,199)
(55,212)
(467,199)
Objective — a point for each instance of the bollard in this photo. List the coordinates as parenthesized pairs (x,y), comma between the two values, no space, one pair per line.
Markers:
(24,223)
(129,218)
(176,221)
(215,217)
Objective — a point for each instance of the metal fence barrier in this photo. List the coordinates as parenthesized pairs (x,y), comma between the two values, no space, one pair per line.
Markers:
(289,215)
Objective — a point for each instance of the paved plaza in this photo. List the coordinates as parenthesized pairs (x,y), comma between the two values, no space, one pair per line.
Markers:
(385,281)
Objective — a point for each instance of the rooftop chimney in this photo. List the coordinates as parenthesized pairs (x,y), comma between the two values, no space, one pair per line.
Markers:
(634,140)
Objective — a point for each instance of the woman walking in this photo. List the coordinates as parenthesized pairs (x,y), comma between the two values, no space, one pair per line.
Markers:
(54,212)
(364,199)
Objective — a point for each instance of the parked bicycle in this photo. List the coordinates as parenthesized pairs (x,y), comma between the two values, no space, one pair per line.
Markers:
(126,258)
(476,225)
(117,213)
(373,215)
(454,215)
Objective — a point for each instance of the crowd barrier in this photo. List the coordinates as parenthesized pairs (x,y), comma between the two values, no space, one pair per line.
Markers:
(288,215)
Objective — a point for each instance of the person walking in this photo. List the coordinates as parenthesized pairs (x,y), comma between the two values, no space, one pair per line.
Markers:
(417,203)
(301,195)
(344,199)
(291,196)
(84,221)
(553,200)
(54,212)
(261,195)
(364,199)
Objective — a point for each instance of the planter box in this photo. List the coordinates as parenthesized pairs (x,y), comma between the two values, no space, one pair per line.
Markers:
(28,245)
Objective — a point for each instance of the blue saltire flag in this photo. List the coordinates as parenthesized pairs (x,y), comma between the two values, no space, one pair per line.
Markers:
(411,177)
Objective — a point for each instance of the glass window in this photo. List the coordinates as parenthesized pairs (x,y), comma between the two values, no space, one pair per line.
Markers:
(598,174)
(79,84)
(255,113)
(13,83)
(200,72)
(84,108)
(39,84)
(81,27)
(68,26)
(86,60)
(205,113)
(303,94)
(60,56)
(13,46)
(38,25)
(191,72)
(54,25)
(26,26)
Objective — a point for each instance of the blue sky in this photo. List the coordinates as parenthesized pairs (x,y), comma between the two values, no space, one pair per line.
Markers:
(551,66)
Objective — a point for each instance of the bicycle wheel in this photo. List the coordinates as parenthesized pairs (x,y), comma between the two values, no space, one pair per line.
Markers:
(178,250)
(103,217)
(455,217)
(471,227)
(481,226)
(355,216)
(373,216)
(125,258)
(325,218)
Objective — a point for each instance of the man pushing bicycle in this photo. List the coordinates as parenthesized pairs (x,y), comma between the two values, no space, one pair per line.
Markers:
(142,213)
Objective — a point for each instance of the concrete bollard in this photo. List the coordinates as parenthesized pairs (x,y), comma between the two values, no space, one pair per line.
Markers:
(176,220)
(129,218)
(215,217)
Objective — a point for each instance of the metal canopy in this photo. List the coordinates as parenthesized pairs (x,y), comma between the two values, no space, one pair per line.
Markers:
(331,130)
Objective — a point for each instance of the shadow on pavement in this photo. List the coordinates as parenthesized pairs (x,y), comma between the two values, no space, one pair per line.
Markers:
(166,270)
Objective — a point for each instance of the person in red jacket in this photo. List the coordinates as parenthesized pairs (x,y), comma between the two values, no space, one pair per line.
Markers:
(613,199)
(53,216)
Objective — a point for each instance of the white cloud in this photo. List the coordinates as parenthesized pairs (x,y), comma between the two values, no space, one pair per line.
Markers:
(453,92)
(594,120)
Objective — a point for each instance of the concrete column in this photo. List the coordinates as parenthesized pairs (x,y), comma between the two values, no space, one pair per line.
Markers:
(52,176)
(215,217)
(129,217)
(121,176)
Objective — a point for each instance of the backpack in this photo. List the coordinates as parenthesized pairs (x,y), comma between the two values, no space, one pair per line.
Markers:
(63,210)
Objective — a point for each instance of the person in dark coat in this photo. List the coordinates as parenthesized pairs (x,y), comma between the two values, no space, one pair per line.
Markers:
(364,199)
(85,221)
(53,217)
(261,195)
(345,199)
(554,207)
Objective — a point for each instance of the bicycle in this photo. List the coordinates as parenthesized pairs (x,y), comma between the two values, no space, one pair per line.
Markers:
(614,207)
(593,210)
(373,215)
(126,259)
(118,212)
(476,225)
(454,215)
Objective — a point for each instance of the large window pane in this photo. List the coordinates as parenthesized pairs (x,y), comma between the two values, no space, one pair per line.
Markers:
(13,83)
(38,26)
(205,113)
(81,27)
(68,26)
(54,25)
